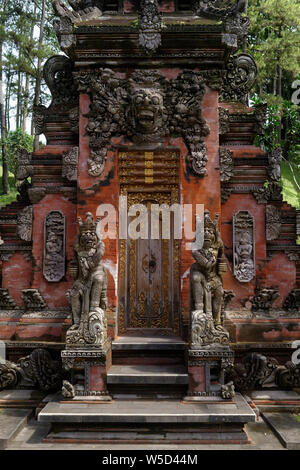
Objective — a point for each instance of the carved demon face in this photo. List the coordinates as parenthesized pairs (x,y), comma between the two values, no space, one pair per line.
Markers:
(147,110)
(209,236)
(88,240)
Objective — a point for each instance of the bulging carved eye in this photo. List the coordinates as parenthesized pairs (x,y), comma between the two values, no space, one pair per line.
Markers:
(139,99)
(155,100)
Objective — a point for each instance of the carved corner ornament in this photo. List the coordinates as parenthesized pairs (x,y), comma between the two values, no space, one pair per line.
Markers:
(274,168)
(226,164)
(24,223)
(37,370)
(70,164)
(273,222)
(33,299)
(240,76)
(243,246)
(263,299)
(207,294)
(88,294)
(54,246)
(271,192)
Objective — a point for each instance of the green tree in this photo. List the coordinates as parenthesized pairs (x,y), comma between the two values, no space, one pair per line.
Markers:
(16,140)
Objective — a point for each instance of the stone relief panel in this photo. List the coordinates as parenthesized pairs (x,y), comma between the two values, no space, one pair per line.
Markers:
(24,223)
(69,164)
(147,108)
(274,169)
(273,223)
(243,246)
(54,246)
(149,26)
(240,76)
(226,164)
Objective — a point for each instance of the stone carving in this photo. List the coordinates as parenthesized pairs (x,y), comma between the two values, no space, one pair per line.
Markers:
(207,290)
(263,299)
(288,376)
(243,246)
(260,115)
(88,294)
(185,117)
(273,223)
(38,117)
(38,370)
(238,25)
(68,390)
(255,371)
(225,193)
(149,26)
(6,301)
(218,9)
(241,72)
(33,299)
(25,167)
(24,223)
(227,390)
(69,164)
(274,170)
(82,9)
(54,246)
(292,255)
(272,192)
(226,164)
(74,119)
(224,121)
(292,301)
(58,76)
(146,108)
(64,30)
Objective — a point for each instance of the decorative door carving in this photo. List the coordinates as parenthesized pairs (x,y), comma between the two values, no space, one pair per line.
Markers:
(148,278)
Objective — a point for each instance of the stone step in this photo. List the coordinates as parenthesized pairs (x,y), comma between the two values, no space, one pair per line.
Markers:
(148,421)
(147,375)
(12,421)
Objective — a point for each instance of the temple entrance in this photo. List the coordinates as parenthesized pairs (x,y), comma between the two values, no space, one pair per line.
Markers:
(149,283)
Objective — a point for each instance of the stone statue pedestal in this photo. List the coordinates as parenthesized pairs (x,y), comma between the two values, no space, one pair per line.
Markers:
(206,369)
(88,368)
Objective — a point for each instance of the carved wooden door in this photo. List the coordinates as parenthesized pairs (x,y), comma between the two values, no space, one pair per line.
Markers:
(149,268)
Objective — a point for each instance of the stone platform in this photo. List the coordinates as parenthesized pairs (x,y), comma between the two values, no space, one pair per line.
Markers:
(148,421)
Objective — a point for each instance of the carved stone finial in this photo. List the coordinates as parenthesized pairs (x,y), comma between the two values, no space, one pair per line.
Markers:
(243,246)
(240,76)
(88,294)
(149,26)
(33,299)
(273,223)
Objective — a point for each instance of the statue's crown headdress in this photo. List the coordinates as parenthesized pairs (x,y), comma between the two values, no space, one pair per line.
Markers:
(208,222)
(88,224)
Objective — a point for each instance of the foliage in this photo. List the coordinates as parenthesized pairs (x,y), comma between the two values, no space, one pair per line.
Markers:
(290,191)
(14,141)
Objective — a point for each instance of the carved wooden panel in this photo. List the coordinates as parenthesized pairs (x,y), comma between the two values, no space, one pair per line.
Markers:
(54,246)
(243,246)
(149,273)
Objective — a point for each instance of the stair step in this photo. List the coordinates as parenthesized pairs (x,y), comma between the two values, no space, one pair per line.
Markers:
(147,374)
(152,343)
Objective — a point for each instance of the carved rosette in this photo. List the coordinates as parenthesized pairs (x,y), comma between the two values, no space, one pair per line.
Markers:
(70,164)
(274,169)
(273,223)
(149,26)
(226,164)
(54,246)
(243,246)
(24,223)
(240,77)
